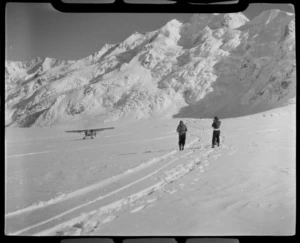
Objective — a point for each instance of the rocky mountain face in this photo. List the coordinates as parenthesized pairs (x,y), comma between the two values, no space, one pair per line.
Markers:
(216,64)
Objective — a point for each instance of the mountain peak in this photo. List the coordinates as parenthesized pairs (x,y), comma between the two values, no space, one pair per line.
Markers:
(133,40)
(235,20)
(216,21)
(50,62)
(171,26)
(169,70)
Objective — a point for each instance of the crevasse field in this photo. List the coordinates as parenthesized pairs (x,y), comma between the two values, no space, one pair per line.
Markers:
(133,180)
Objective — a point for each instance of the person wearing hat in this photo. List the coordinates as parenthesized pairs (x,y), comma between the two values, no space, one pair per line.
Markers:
(216,133)
(181,129)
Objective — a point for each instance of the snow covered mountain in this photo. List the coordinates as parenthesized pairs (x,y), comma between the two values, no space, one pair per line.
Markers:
(216,64)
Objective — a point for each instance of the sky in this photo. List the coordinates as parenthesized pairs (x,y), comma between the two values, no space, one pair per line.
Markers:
(38,30)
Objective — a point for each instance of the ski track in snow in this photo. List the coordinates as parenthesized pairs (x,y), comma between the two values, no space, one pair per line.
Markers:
(170,176)
(197,158)
(137,209)
(94,186)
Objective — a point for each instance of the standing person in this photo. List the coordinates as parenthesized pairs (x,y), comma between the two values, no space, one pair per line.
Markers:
(216,133)
(181,129)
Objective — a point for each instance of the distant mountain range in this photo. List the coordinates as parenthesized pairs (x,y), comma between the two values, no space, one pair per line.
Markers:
(216,64)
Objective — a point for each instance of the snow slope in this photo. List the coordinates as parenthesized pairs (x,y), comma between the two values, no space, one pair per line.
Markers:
(221,64)
(132,180)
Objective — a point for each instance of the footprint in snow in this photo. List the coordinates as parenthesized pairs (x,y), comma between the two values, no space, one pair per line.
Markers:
(137,209)
(232,152)
(286,171)
(172,191)
(109,218)
(217,156)
(205,162)
(75,232)
(151,200)
(201,168)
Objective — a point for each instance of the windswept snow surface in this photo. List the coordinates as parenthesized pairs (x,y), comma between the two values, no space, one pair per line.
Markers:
(132,180)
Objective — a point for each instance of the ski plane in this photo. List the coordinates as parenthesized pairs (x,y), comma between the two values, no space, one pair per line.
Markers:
(90,132)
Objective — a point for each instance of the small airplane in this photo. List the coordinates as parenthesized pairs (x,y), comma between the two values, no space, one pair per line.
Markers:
(90,132)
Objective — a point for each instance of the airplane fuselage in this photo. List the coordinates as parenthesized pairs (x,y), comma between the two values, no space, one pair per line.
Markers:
(90,134)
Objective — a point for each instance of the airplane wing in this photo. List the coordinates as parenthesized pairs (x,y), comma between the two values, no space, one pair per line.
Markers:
(78,131)
(92,130)
(101,129)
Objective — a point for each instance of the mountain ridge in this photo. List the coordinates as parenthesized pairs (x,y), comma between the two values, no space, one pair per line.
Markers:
(214,64)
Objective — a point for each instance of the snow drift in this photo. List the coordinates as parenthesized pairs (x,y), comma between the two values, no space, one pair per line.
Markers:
(216,64)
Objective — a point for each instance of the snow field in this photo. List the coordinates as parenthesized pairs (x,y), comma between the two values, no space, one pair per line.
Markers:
(54,181)
(232,189)
(244,191)
(68,156)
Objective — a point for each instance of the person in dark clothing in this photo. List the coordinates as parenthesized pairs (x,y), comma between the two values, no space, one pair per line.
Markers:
(216,133)
(181,129)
